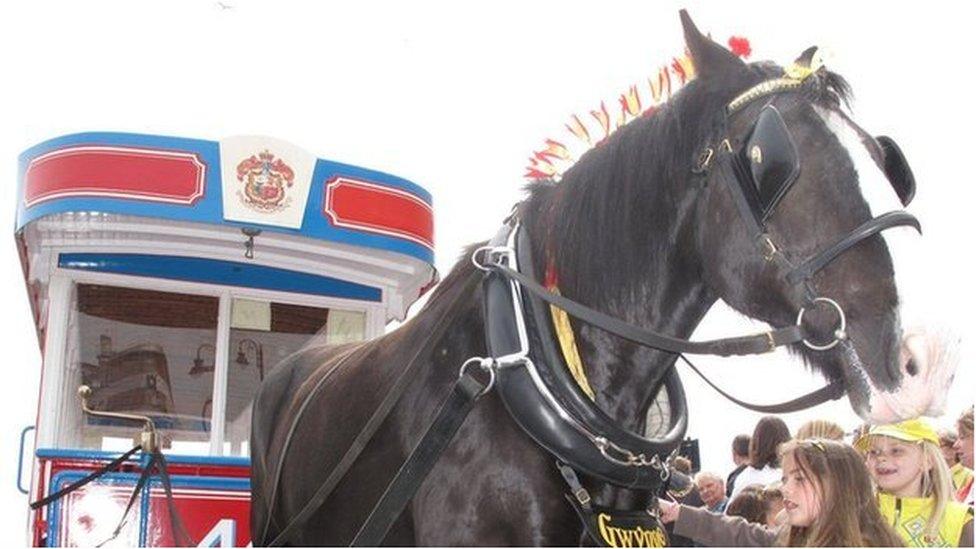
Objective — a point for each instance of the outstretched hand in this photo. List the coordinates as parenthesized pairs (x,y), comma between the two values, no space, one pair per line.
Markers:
(669,510)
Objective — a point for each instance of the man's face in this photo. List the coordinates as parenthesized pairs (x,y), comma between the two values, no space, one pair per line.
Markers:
(711,490)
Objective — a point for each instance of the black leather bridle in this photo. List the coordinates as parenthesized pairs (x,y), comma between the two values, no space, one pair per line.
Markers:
(756,200)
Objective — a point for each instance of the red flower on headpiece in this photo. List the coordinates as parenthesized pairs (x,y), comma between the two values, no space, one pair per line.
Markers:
(740,46)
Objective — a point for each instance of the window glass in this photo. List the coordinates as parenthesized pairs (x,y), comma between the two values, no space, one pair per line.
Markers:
(263,335)
(141,352)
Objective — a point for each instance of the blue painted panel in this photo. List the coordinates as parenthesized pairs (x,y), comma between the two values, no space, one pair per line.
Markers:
(61,453)
(58,453)
(211,271)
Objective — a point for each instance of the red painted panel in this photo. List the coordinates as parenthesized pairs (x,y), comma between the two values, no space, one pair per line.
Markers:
(204,512)
(115,172)
(375,208)
(87,516)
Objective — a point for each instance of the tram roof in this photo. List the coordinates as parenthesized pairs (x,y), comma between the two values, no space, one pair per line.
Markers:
(111,192)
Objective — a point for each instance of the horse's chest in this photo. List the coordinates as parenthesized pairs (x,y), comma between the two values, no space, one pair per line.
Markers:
(493,486)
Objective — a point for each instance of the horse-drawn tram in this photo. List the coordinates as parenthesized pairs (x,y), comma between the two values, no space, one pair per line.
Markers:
(167,278)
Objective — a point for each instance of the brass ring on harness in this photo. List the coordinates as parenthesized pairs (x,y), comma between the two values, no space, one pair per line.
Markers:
(839,334)
(486,364)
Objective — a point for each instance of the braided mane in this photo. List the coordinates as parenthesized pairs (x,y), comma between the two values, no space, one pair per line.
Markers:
(583,133)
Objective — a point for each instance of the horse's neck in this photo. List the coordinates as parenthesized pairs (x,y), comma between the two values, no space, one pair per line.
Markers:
(624,375)
(664,293)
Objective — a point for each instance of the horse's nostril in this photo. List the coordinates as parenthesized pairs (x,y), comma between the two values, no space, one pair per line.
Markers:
(911,367)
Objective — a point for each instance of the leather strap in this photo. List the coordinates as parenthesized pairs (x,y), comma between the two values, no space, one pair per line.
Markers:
(140,484)
(113,466)
(867,229)
(832,391)
(733,173)
(181,538)
(415,469)
(279,465)
(575,486)
(374,422)
(156,461)
(733,346)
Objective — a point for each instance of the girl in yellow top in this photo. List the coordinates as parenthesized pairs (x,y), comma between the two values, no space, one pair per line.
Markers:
(914,485)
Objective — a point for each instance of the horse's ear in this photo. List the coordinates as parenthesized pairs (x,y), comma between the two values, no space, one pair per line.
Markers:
(709,58)
(806,58)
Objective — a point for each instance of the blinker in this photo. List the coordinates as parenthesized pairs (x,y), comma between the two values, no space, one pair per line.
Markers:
(770,161)
(897,170)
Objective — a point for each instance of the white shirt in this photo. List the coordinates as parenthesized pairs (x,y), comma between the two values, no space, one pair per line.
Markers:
(751,475)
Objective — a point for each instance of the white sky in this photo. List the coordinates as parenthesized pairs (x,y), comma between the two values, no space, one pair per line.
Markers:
(454,96)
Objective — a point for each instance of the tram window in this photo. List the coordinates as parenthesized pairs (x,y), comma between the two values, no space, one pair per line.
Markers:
(264,335)
(142,352)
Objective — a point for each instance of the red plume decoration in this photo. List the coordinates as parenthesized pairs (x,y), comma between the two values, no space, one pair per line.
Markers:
(740,46)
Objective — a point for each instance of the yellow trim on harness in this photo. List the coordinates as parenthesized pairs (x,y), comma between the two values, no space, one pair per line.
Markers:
(794,76)
(567,342)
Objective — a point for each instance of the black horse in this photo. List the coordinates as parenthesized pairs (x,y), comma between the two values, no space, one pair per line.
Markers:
(636,230)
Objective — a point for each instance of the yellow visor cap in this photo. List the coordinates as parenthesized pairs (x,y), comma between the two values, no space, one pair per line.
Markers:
(912,430)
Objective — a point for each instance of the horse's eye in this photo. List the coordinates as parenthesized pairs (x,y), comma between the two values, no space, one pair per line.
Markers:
(897,170)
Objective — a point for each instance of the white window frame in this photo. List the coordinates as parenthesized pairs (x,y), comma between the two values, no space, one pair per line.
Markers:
(61,288)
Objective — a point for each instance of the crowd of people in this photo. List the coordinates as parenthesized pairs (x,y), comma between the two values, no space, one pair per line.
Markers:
(897,485)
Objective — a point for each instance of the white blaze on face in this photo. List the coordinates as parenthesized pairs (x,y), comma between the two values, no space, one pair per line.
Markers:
(933,355)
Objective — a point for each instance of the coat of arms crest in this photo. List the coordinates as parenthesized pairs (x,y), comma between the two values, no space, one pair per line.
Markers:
(265,180)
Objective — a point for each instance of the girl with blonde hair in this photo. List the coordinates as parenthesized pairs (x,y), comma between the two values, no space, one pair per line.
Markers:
(827,495)
(915,491)
(820,428)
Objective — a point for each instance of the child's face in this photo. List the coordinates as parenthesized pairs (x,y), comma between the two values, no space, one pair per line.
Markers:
(896,466)
(801,494)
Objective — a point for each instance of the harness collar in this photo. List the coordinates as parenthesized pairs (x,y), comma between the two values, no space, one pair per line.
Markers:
(543,397)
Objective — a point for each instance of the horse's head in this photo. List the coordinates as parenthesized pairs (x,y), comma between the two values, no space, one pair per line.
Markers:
(809,175)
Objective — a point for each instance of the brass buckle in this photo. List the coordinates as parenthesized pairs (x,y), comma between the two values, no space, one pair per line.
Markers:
(704,159)
(582,496)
